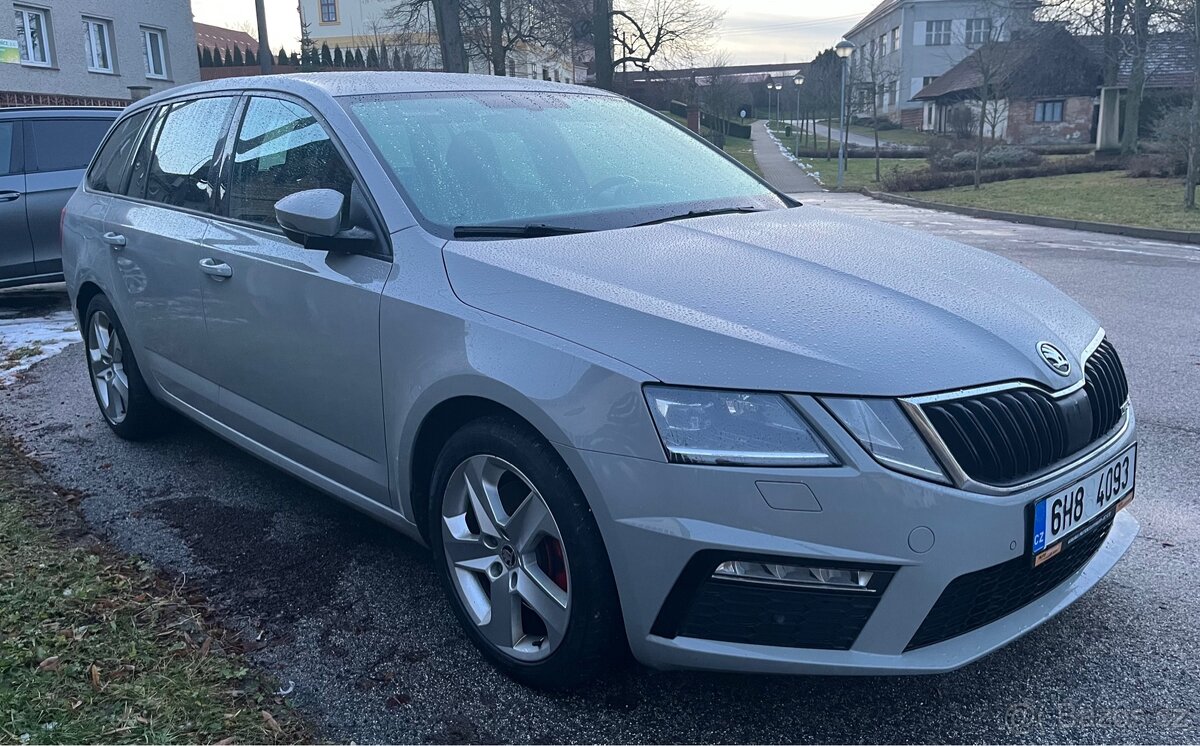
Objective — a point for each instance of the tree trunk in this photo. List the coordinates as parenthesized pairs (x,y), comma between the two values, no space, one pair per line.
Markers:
(875,129)
(602,31)
(448,18)
(979,145)
(1193,174)
(829,138)
(496,37)
(1114,23)
(1137,78)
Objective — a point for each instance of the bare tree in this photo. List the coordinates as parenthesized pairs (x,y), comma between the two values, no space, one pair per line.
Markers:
(1193,175)
(875,75)
(412,15)
(720,92)
(662,31)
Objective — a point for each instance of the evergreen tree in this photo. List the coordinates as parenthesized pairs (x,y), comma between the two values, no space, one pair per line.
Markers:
(295,60)
(326,55)
(372,58)
(238,59)
(251,57)
(339,60)
(227,60)
(359,62)
(385,57)
(398,61)
(206,60)
(282,58)
(200,55)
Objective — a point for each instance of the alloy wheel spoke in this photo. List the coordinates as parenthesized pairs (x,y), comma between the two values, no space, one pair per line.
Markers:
(546,600)
(504,625)
(120,385)
(529,522)
(483,501)
(469,553)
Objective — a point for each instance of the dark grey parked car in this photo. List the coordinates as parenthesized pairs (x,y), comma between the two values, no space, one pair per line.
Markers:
(43,154)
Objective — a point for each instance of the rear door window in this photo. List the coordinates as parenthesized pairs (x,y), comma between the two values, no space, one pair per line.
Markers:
(176,162)
(108,171)
(63,144)
(281,149)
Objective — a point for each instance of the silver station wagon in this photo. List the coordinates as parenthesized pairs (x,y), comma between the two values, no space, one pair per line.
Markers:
(631,397)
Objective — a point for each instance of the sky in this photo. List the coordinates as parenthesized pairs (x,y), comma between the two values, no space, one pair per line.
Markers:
(754,31)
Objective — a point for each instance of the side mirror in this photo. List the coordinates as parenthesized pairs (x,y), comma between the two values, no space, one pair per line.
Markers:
(316,219)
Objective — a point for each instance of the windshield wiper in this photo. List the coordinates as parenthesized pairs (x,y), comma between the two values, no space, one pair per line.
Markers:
(703,214)
(533,230)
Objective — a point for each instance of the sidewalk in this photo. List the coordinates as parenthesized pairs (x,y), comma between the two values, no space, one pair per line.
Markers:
(780,171)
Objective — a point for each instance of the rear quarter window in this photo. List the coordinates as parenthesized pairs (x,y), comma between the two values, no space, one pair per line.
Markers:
(64,144)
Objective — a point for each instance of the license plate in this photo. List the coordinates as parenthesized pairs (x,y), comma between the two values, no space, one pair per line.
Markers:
(1059,516)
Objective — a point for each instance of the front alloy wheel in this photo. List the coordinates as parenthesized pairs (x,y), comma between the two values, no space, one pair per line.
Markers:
(506,558)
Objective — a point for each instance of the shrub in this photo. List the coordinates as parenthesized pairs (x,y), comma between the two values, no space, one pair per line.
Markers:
(1006,156)
(1156,165)
(924,181)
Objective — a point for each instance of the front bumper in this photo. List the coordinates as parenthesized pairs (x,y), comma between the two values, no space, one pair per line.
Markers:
(657,517)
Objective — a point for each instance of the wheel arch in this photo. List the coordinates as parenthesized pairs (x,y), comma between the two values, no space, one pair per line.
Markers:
(83,298)
(448,415)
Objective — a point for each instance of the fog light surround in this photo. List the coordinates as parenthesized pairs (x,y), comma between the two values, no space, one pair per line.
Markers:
(798,576)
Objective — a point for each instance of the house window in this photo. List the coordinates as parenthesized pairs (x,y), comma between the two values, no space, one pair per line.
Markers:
(928,80)
(1048,111)
(155,52)
(329,11)
(33,36)
(979,31)
(883,47)
(896,39)
(97,45)
(937,33)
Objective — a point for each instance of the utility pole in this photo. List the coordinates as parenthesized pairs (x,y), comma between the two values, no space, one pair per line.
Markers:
(264,47)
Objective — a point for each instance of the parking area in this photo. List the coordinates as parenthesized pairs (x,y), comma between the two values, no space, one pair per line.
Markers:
(351,615)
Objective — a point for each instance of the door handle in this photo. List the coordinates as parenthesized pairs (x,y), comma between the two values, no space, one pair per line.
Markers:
(115,240)
(9,196)
(219,270)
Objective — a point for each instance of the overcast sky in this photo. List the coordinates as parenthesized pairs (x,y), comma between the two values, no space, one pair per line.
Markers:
(753,31)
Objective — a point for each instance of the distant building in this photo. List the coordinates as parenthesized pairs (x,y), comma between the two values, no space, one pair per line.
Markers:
(358,25)
(916,41)
(1042,91)
(1050,88)
(94,52)
(218,38)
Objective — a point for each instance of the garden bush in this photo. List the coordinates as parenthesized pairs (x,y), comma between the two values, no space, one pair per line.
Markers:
(1156,165)
(924,181)
(1003,156)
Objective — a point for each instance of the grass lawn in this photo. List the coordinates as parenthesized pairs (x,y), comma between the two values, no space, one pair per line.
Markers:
(1107,197)
(860,172)
(97,648)
(738,147)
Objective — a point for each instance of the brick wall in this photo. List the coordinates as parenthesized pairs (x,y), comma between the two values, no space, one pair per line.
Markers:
(1074,129)
(10,99)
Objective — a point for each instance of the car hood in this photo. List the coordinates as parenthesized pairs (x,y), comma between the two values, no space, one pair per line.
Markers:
(801,300)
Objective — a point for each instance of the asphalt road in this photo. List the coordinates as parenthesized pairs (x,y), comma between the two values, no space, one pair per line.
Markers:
(352,615)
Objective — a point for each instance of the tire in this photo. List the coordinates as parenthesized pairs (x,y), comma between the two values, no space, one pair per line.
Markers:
(578,570)
(111,362)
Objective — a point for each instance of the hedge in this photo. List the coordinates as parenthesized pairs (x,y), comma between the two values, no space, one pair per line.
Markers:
(926,181)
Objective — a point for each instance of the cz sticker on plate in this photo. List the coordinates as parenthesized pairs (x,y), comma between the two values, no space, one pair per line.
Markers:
(1063,514)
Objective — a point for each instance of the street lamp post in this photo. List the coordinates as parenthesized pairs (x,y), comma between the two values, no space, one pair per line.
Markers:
(843,49)
(798,81)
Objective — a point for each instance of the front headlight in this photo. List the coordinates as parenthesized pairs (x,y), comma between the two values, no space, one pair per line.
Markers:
(730,428)
(886,433)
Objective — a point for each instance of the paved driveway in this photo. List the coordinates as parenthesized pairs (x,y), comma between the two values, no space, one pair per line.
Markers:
(352,615)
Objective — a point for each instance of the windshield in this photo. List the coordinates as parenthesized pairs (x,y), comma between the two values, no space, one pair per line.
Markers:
(575,161)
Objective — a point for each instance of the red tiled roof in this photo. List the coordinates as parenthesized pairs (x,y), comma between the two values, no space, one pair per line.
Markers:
(220,38)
